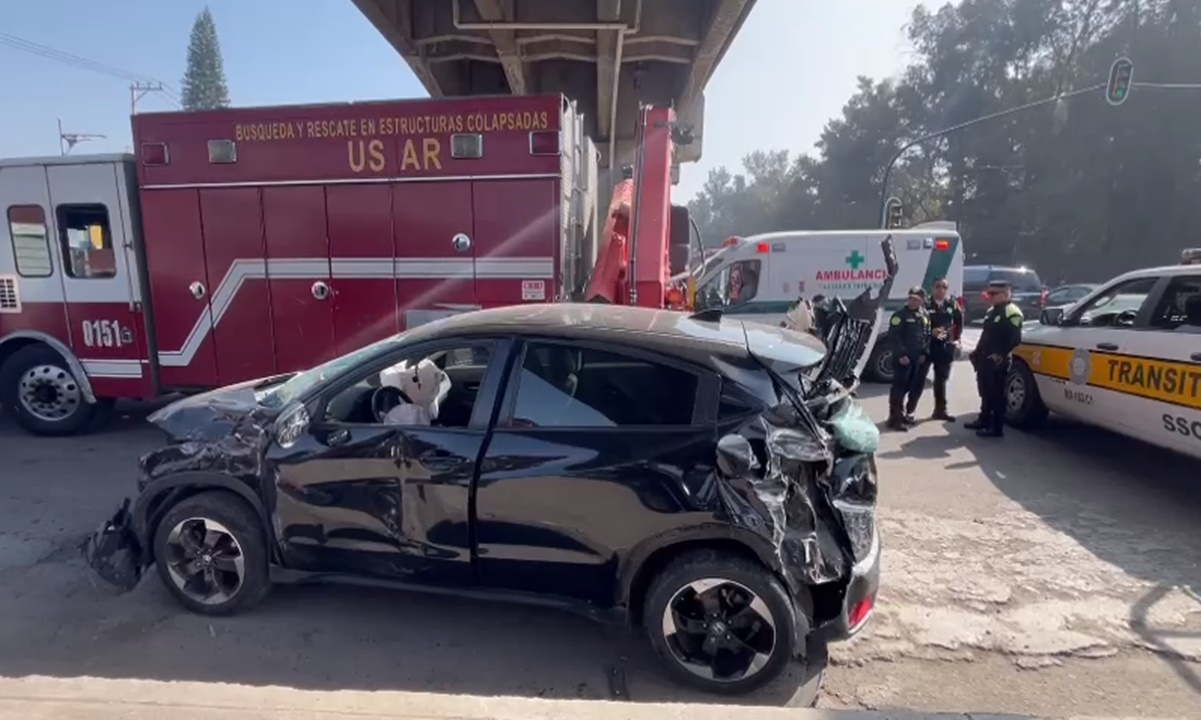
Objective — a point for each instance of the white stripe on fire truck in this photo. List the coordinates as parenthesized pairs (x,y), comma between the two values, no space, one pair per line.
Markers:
(112,368)
(243,269)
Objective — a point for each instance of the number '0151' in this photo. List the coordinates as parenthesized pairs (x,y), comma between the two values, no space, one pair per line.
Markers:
(102,333)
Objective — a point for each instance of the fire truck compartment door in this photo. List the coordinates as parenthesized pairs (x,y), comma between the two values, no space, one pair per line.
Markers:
(434,234)
(235,256)
(518,225)
(298,275)
(95,249)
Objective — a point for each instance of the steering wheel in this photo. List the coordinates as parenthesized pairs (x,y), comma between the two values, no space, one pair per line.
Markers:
(383,400)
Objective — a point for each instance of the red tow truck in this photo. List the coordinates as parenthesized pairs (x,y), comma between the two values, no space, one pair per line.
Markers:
(245,243)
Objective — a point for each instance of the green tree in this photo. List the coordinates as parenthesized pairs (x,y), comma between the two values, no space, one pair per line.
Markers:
(204,85)
(1078,189)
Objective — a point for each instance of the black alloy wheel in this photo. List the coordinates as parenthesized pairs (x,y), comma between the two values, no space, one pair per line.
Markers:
(720,623)
(211,555)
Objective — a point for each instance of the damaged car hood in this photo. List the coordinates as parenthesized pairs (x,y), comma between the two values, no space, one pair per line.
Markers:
(212,415)
(225,431)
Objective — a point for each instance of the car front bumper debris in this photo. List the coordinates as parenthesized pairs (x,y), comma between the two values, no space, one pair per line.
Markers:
(113,552)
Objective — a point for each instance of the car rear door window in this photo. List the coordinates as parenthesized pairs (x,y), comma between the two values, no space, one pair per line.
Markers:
(573,387)
(1180,305)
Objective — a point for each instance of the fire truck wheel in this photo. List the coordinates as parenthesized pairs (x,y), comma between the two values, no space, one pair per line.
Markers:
(42,393)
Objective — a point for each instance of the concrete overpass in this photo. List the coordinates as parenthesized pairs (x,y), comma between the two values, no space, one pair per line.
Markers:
(608,55)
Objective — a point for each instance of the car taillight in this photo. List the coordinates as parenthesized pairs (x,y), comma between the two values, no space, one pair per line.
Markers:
(984,295)
(1042,299)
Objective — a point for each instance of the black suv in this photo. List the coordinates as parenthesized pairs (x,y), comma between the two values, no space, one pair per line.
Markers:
(710,481)
(1026,287)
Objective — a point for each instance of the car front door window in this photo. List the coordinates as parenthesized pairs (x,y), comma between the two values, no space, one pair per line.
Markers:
(1115,307)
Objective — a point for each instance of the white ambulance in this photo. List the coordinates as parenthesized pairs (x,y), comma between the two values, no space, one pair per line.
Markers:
(760,277)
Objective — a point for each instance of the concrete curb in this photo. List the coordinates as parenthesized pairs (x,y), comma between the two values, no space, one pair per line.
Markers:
(35,698)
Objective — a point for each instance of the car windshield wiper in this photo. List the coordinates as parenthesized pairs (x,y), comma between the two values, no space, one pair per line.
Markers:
(274,380)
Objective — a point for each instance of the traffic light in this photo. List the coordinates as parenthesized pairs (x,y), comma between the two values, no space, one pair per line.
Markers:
(1120,74)
(894,214)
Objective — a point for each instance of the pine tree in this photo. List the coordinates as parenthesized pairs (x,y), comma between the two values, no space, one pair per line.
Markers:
(204,80)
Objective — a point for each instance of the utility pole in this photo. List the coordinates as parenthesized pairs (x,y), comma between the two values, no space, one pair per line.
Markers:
(138,90)
(67,141)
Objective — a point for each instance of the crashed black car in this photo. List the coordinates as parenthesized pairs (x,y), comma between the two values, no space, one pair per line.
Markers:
(710,480)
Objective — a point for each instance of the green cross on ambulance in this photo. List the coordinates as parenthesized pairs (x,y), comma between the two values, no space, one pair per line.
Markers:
(759,278)
(1126,357)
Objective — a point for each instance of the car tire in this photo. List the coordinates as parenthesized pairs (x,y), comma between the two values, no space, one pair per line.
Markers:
(880,365)
(764,620)
(211,554)
(1024,407)
(45,397)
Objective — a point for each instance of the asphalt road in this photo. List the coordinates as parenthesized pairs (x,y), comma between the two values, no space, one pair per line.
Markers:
(1043,575)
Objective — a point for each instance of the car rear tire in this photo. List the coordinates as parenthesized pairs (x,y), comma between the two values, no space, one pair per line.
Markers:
(881,365)
(211,554)
(45,397)
(1024,407)
(721,624)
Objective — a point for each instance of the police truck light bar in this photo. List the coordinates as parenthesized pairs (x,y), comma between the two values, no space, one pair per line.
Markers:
(1120,75)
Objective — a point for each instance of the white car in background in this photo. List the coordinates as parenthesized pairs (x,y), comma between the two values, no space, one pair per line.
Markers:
(1127,357)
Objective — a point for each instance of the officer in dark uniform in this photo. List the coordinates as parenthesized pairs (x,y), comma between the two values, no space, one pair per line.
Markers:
(909,332)
(946,326)
(1002,333)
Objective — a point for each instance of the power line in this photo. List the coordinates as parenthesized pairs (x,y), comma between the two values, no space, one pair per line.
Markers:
(82,63)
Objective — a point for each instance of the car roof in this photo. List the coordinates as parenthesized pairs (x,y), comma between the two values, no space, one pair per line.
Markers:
(666,331)
(1008,268)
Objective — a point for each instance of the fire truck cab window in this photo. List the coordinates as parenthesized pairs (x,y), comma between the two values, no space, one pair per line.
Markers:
(87,241)
(570,387)
(735,285)
(31,246)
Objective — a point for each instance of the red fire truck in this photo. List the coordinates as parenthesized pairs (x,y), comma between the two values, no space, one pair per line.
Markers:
(244,243)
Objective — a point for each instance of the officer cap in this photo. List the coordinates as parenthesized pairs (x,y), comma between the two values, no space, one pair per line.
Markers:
(917,292)
(998,285)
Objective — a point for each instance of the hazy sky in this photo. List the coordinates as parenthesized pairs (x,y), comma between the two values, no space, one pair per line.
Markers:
(791,68)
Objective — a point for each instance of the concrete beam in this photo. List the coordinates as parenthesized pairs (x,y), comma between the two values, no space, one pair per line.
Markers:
(608,63)
(393,20)
(505,41)
(723,25)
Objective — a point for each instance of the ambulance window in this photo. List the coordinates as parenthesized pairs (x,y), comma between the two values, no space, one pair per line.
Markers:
(1180,306)
(31,247)
(87,241)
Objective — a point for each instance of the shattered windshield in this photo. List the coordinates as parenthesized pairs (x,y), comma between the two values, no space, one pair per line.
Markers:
(300,383)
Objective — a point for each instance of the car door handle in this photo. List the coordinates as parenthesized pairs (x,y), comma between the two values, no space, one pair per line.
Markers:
(338,437)
(1106,346)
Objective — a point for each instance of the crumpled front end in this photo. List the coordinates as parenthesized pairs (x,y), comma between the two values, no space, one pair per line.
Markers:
(802,475)
(224,432)
(114,552)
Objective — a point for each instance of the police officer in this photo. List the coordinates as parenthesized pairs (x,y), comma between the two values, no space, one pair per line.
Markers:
(1002,333)
(946,326)
(909,332)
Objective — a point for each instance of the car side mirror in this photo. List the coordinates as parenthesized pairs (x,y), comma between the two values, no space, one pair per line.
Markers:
(735,458)
(1051,316)
(291,424)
